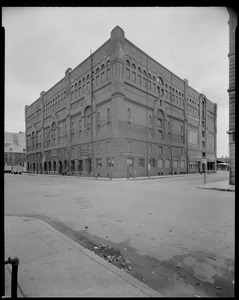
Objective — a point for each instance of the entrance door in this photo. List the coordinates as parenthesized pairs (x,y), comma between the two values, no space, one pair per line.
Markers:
(88,166)
(60,167)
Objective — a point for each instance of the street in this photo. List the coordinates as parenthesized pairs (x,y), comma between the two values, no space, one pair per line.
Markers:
(178,238)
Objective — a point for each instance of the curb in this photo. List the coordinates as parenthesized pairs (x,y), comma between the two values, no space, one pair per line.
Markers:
(120,273)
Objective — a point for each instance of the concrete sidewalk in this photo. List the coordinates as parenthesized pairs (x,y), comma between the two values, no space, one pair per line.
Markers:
(222,185)
(53,265)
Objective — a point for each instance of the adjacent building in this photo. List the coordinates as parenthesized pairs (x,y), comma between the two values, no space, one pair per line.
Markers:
(14,148)
(232,92)
(120,113)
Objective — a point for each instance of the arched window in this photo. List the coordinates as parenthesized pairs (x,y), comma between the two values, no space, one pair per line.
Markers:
(98,119)
(127,63)
(133,66)
(145,73)
(128,113)
(102,66)
(108,62)
(139,69)
(53,134)
(108,119)
(160,80)
(33,141)
(87,121)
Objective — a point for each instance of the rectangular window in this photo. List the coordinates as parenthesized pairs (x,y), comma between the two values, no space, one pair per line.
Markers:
(139,80)
(108,74)
(160,122)
(175,163)
(133,76)
(102,76)
(97,80)
(130,162)
(182,164)
(127,75)
(160,134)
(152,162)
(110,162)
(160,148)
(203,133)
(141,162)
(203,144)
(99,162)
(150,148)
(144,82)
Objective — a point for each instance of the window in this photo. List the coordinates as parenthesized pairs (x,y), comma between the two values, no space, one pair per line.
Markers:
(99,162)
(175,163)
(108,146)
(130,162)
(152,162)
(160,149)
(110,162)
(98,147)
(141,162)
(203,144)
(139,69)
(150,148)
(182,164)
(203,133)
(108,119)
(160,163)
(128,113)
(160,134)
(133,66)
(127,63)
(160,122)
(139,80)
(127,74)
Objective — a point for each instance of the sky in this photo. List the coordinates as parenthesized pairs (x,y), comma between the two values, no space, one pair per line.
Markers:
(42,42)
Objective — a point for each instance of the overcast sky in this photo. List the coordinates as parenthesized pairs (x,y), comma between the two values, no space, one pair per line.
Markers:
(42,42)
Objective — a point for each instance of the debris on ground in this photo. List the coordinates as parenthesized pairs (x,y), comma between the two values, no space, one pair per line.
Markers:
(218,288)
(112,256)
(84,228)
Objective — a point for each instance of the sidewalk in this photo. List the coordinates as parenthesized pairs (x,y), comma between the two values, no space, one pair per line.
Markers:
(53,265)
(222,185)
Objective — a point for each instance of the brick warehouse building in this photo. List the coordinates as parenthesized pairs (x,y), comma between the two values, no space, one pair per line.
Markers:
(120,113)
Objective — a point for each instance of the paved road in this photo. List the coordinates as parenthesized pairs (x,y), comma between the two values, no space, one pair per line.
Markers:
(167,220)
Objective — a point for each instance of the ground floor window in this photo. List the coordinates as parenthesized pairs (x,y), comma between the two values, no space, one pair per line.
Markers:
(167,162)
(110,162)
(72,165)
(80,165)
(175,164)
(152,162)
(130,162)
(141,162)
(182,164)
(192,165)
(160,163)
(99,162)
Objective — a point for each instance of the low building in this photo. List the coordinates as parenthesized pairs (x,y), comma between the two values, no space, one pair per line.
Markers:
(14,148)
(223,163)
(120,113)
